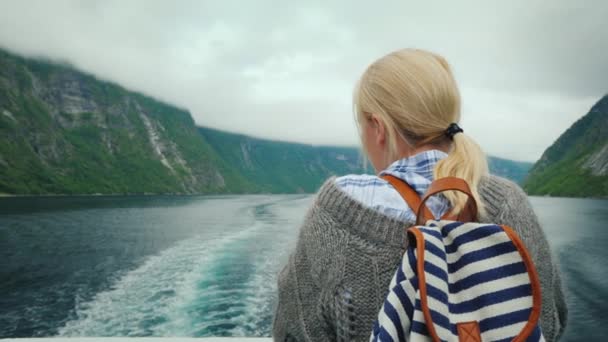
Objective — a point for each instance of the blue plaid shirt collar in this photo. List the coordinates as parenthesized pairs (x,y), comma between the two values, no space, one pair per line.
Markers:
(376,193)
(416,170)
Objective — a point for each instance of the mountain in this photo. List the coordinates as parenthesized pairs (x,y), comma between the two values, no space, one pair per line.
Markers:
(63,131)
(513,170)
(576,165)
(276,166)
(66,132)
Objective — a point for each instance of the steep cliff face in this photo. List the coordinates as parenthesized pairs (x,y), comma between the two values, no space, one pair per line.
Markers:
(62,131)
(275,166)
(577,163)
(513,170)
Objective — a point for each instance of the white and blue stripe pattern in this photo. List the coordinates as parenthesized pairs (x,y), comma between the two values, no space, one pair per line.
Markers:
(473,272)
(374,192)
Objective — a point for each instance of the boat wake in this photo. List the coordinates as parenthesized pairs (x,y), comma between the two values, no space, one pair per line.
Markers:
(223,285)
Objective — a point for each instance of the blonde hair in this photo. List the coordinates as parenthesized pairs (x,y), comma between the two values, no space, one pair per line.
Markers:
(415,96)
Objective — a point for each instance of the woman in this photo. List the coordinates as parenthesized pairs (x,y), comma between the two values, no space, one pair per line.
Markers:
(407,106)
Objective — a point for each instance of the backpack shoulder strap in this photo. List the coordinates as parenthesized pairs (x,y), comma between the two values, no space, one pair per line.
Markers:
(409,195)
(422,212)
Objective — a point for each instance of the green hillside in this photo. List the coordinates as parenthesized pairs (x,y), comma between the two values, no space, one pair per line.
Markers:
(276,166)
(513,170)
(576,164)
(65,132)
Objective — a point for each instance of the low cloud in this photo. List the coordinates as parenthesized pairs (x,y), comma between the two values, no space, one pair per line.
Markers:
(280,70)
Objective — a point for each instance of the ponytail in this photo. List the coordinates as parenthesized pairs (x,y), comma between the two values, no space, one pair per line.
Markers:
(466,160)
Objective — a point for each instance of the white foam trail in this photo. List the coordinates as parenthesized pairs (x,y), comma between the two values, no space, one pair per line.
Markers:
(154,299)
(142,294)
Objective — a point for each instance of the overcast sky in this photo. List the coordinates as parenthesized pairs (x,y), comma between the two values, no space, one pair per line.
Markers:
(286,69)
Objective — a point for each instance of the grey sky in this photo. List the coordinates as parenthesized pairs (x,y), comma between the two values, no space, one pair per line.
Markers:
(286,69)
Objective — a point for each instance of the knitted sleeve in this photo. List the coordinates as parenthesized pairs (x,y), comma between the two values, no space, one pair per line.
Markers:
(288,322)
(301,313)
(517,213)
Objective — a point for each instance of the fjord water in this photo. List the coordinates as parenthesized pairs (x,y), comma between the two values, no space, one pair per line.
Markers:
(207,265)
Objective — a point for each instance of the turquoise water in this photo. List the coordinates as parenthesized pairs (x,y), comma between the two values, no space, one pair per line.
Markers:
(207,266)
(148,266)
(577,230)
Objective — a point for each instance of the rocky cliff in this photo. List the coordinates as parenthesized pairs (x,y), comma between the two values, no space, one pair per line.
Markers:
(577,163)
(63,131)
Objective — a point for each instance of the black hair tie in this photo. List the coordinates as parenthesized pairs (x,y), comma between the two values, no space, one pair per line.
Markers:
(452,130)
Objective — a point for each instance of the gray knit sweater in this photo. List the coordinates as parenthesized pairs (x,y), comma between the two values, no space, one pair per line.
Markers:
(337,278)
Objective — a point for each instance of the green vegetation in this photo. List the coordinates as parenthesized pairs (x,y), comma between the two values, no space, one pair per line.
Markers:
(567,178)
(513,170)
(281,167)
(74,134)
(563,170)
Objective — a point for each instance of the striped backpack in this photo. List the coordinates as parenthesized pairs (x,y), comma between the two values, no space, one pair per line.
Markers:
(459,280)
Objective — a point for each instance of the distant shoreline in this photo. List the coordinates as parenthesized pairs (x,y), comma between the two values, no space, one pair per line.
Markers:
(571,197)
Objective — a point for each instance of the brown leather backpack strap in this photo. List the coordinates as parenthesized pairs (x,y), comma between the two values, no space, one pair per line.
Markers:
(468,213)
(409,195)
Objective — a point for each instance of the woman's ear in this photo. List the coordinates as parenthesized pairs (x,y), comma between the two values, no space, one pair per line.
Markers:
(379,130)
